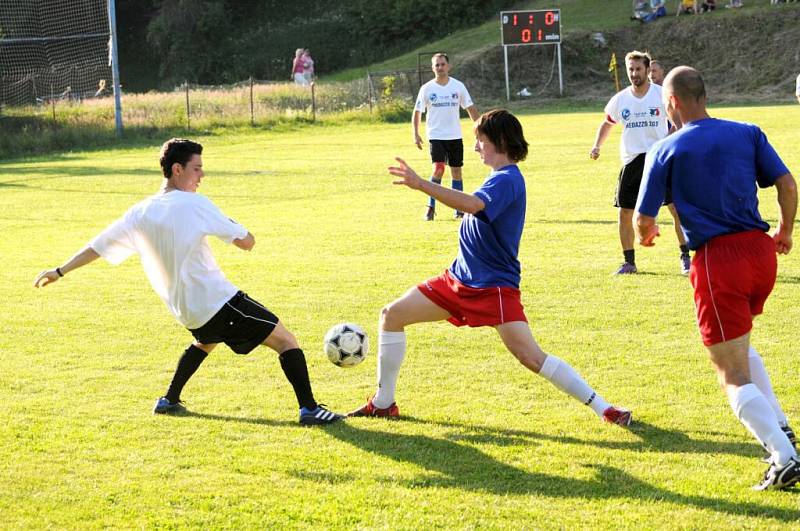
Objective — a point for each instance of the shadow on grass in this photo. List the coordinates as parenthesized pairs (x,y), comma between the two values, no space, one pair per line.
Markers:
(246,420)
(460,466)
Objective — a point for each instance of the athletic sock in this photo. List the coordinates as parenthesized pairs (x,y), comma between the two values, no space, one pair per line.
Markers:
(188,364)
(564,377)
(630,256)
(458,185)
(684,249)
(753,410)
(759,376)
(391,351)
(432,201)
(293,363)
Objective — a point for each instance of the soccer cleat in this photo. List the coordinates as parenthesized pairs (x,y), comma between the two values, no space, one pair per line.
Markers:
(164,406)
(686,264)
(319,415)
(369,410)
(430,213)
(626,269)
(614,415)
(783,477)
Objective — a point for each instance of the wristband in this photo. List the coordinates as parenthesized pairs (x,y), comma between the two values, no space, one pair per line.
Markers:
(58,270)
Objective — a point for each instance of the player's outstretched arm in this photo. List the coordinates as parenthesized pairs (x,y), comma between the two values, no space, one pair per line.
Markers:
(246,243)
(787,201)
(452,198)
(646,230)
(83,257)
(599,139)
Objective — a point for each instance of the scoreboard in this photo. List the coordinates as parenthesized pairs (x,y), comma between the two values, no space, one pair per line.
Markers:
(531,27)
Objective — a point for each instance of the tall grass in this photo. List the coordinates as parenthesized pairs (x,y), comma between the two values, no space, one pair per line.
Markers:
(211,110)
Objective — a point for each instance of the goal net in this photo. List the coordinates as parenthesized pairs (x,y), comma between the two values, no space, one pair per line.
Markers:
(53,49)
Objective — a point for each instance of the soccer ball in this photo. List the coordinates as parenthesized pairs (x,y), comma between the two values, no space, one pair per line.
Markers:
(346,344)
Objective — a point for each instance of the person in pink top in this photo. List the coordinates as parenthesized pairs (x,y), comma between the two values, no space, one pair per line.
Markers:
(298,69)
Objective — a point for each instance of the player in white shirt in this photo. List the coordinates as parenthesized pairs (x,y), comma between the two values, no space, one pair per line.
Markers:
(641,112)
(441,99)
(169,233)
(797,89)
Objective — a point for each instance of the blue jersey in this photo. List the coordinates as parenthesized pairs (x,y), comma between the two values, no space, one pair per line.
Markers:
(714,168)
(488,242)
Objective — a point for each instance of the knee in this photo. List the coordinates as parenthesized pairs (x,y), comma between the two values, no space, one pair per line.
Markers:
(438,169)
(284,341)
(389,319)
(732,378)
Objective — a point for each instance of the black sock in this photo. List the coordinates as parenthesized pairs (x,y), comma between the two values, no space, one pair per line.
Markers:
(293,363)
(684,249)
(629,256)
(187,365)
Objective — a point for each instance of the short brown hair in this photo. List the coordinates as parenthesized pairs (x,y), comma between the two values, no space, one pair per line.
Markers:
(638,56)
(177,150)
(503,130)
(442,55)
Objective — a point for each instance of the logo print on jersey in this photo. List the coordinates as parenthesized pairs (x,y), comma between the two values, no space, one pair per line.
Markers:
(433,97)
(454,95)
(626,113)
(654,111)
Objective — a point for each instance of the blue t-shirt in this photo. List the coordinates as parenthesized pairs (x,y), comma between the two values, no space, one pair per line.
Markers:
(488,242)
(713,167)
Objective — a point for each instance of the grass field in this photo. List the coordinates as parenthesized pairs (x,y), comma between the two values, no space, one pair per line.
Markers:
(483,443)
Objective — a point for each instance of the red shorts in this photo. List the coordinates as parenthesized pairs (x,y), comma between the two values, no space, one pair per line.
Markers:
(473,306)
(732,276)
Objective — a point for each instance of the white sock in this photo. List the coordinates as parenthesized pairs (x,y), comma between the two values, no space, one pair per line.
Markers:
(391,351)
(753,410)
(560,374)
(759,376)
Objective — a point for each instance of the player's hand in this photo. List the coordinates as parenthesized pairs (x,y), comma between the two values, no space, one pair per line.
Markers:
(648,240)
(594,153)
(408,176)
(783,241)
(418,141)
(45,278)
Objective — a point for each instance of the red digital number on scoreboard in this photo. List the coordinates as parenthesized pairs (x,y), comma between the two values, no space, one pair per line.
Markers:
(531,27)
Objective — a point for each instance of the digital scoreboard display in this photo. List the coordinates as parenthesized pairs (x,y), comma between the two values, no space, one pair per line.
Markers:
(531,27)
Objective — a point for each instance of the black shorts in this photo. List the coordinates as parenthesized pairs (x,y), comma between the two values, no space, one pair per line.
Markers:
(630,178)
(242,324)
(451,152)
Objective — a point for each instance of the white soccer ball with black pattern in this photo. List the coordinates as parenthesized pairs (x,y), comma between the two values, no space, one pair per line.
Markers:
(346,344)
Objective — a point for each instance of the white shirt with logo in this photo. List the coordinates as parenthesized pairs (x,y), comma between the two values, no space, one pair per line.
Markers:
(643,120)
(168,231)
(441,102)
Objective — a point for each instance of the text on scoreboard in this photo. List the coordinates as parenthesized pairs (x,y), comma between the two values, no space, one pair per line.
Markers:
(531,27)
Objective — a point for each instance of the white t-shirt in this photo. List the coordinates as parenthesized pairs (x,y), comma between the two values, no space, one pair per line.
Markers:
(644,120)
(797,87)
(168,231)
(441,102)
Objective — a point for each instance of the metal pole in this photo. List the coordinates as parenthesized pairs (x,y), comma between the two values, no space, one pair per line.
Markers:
(252,115)
(188,115)
(113,57)
(369,91)
(505,61)
(313,102)
(560,75)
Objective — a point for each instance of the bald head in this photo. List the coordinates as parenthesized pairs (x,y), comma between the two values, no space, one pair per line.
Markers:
(686,84)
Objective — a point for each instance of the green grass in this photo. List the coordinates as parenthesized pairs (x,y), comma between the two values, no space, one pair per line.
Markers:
(484,443)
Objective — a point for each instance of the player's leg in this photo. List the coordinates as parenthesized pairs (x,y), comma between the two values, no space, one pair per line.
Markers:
(730,359)
(519,341)
(438,159)
(413,307)
(676,223)
(188,364)
(630,177)
(455,158)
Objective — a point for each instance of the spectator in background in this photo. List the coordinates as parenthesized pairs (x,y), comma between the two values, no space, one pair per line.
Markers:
(708,5)
(297,68)
(308,66)
(734,3)
(686,6)
(648,10)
